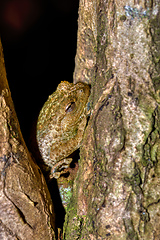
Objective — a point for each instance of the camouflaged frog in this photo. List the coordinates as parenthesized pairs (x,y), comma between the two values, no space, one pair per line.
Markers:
(61,125)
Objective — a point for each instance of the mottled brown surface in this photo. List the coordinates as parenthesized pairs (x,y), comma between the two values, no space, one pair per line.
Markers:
(61,125)
(116,194)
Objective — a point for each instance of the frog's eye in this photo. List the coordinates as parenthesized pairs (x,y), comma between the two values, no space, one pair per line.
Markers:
(81,90)
(70,107)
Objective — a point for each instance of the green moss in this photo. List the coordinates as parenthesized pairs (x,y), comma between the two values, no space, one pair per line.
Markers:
(131,233)
(146,160)
(75,227)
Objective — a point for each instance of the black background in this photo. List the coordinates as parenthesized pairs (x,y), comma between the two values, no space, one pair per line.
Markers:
(39,44)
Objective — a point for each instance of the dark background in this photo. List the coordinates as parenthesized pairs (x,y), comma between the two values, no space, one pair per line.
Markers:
(39,39)
(39,44)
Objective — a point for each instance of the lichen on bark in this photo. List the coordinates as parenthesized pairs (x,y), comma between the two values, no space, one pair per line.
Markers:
(117,190)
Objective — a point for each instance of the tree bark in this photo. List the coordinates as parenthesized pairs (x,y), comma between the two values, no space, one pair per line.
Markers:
(116,194)
(26,210)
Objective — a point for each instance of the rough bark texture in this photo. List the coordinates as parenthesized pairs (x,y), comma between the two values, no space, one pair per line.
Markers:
(117,190)
(26,210)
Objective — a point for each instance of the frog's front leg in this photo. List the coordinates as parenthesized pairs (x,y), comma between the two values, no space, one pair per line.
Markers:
(59,168)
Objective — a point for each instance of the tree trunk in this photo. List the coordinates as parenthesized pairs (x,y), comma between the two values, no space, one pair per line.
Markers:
(116,193)
(26,210)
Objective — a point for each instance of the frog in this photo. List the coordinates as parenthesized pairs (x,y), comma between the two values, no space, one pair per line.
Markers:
(61,124)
